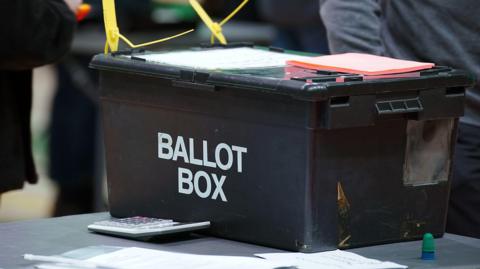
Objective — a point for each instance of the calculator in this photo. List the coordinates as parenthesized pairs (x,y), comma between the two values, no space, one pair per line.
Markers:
(138,227)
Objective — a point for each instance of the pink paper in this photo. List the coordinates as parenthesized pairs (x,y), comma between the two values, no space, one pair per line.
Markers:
(359,63)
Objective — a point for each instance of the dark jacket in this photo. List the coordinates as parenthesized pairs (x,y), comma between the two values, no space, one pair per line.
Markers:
(298,24)
(445,32)
(32,33)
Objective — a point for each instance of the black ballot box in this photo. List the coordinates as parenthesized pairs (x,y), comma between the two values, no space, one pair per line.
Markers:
(278,155)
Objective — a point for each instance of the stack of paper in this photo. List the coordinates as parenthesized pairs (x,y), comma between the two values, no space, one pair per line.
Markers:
(358,63)
(234,58)
(142,258)
(336,259)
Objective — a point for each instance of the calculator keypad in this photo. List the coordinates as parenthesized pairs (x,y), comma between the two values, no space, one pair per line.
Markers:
(138,227)
(137,223)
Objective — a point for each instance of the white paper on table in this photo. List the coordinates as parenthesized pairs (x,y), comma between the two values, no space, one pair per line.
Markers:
(57,266)
(234,58)
(142,258)
(329,259)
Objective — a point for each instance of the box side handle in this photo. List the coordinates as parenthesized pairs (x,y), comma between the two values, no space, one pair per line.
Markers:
(193,85)
(194,80)
(399,106)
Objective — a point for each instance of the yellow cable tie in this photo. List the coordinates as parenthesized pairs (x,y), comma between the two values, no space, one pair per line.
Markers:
(113,33)
(122,37)
(110,21)
(105,50)
(215,28)
(234,12)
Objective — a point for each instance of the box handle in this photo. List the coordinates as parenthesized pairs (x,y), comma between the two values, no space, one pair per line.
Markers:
(399,106)
(193,85)
(193,80)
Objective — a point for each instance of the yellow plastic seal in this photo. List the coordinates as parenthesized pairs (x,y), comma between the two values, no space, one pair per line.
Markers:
(113,34)
(214,27)
(111,28)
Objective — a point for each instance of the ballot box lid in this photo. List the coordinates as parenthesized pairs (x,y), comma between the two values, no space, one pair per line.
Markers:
(264,76)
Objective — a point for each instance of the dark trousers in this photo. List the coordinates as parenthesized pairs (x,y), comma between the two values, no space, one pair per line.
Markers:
(73,139)
(464,207)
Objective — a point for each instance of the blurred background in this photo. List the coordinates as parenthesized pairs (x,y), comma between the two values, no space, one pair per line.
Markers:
(67,138)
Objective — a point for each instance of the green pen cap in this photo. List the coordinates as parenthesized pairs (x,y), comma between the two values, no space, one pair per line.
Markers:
(428,244)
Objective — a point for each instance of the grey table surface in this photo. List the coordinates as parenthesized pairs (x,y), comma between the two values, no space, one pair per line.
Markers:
(58,235)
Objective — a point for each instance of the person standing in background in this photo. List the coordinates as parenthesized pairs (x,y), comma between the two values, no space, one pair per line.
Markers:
(298,24)
(33,33)
(440,31)
(75,148)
